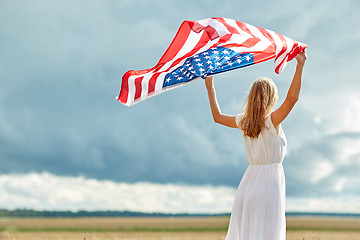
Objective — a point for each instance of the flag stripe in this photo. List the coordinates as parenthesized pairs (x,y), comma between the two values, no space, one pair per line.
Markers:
(138,87)
(230,28)
(282,51)
(123,97)
(152,82)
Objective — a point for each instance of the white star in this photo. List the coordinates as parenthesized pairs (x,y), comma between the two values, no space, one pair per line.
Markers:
(207,57)
(197,60)
(188,74)
(190,68)
(230,63)
(188,64)
(205,53)
(216,57)
(248,58)
(201,69)
(215,52)
(211,67)
(225,52)
(168,79)
(179,78)
(181,70)
(209,62)
(227,58)
(218,63)
(199,64)
(239,61)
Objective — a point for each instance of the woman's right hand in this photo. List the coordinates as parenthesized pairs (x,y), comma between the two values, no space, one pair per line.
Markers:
(209,81)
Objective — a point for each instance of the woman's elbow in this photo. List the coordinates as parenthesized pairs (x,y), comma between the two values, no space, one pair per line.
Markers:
(217,118)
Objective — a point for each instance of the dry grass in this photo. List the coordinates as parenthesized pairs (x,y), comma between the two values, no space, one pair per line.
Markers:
(212,228)
(292,235)
(115,223)
(323,223)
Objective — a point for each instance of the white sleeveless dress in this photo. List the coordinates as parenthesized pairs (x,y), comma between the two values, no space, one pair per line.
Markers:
(259,207)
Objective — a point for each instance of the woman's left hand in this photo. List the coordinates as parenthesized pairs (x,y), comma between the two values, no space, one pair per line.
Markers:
(301,57)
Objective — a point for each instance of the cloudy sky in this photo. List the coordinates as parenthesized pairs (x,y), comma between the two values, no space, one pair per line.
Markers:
(66,143)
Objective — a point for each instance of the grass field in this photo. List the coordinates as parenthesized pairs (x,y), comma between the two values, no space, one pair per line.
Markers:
(165,228)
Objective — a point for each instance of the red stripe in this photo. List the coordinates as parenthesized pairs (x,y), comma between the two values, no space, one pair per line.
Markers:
(177,43)
(138,87)
(152,82)
(262,57)
(124,92)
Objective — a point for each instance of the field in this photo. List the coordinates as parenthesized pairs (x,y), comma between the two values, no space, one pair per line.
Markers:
(209,228)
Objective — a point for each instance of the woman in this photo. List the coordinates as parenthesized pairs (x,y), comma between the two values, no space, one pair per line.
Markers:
(259,207)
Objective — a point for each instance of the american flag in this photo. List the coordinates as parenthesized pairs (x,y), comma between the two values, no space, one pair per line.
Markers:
(208,47)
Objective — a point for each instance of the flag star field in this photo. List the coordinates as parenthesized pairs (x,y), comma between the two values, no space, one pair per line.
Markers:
(209,62)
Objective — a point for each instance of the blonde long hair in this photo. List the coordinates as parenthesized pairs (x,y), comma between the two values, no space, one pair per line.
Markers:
(259,103)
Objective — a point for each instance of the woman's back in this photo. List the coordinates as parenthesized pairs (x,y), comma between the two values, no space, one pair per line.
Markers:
(268,148)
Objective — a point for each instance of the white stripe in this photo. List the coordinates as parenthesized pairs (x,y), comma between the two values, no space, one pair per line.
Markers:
(145,85)
(290,44)
(218,26)
(278,43)
(131,91)
(159,82)
(281,57)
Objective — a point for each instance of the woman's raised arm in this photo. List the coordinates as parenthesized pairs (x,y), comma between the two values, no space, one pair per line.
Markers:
(224,119)
(293,93)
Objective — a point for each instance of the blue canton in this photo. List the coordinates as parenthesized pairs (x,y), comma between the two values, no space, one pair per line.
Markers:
(212,61)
